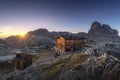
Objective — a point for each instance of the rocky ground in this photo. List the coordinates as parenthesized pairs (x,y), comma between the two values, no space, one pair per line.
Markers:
(99,60)
(78,65)
(86,64)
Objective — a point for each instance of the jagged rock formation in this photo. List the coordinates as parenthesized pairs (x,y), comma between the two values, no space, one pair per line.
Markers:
(105,67)
(98,33)
(34,38)
(77,67)
(102,33)
(86,66)
(38,32)
(82,34)
(99,29)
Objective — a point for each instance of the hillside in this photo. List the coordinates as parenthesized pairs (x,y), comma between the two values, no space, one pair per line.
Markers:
(77,66)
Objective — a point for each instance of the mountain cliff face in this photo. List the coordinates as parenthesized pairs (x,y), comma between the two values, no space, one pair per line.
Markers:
(102,33)
(99,29)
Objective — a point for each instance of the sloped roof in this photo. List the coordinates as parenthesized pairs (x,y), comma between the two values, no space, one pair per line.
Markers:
(22,56)
(71,37)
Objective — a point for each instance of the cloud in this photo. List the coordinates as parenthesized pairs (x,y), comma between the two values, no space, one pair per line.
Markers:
(8,28)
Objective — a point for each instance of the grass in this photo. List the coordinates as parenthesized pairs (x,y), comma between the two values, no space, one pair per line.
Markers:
(42,53)
(51,71)
(78,59)
(38,55)
(35,57)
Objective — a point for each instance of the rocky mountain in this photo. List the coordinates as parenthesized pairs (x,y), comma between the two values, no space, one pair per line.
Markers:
(18,41)
(82,34)
(102,33)
(97,68)
(34,38)
(3,44)
(40,32)
(102,29)
(98,32)
(2,41)
(99,61)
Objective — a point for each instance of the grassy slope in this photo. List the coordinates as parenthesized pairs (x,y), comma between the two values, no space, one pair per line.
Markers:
(51,71)
(62,65)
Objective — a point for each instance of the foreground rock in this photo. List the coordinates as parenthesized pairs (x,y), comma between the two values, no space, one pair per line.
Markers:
(105,67)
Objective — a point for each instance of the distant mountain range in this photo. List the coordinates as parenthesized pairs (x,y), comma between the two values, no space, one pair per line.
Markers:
(2,41)
(97,32)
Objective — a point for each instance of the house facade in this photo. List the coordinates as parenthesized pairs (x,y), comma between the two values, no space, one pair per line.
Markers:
(22,61)
(66,43)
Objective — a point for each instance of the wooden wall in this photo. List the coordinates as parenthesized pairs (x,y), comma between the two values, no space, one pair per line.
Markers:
(22,63)
(66,45)
(61,43)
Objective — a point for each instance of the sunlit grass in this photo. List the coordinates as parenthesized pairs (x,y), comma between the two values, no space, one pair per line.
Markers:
(51,71)
(35,57)
(78,59)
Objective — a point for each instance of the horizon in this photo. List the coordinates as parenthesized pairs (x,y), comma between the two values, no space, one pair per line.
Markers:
(21,16)
(22,34)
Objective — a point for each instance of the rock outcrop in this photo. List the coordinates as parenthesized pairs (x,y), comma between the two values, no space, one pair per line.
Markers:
(97,32)
(36,38)
(99,29)
(105,67)
(99,62)
(102,33)
(40,32)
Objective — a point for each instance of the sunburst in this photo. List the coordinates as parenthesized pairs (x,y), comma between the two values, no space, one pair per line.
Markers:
(22,35)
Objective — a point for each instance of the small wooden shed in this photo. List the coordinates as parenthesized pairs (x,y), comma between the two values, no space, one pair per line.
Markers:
(22,61)
(70,42)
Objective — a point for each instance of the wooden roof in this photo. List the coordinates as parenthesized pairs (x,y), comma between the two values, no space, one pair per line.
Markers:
(70,37)
(22,56)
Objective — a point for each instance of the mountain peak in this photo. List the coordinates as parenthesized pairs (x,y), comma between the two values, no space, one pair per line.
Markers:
(39,31)
(95,24)
(101,29)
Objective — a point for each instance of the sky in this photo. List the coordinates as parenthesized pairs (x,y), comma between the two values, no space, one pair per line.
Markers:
(21,16)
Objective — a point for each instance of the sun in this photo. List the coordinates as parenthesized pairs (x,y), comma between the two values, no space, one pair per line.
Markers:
(22,35)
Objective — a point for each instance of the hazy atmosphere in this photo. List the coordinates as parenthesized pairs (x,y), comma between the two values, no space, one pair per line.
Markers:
(21,16)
